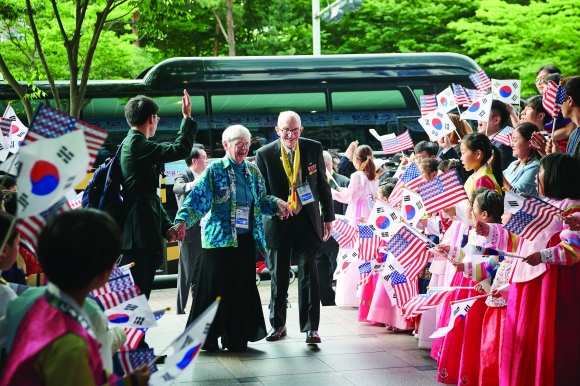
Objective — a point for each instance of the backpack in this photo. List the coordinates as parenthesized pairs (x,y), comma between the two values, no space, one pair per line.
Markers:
(103,192)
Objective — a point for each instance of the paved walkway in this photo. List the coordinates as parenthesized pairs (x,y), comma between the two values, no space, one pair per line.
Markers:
(351,353)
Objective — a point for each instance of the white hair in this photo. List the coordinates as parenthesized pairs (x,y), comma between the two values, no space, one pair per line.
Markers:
(327,157)
(285,115)
(234,132)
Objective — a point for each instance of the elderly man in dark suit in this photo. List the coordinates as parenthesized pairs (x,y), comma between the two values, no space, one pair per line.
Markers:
(326,257)
(293,167)
(190,247)
(146,223)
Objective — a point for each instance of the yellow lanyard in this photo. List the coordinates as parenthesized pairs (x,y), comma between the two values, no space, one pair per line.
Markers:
(291,174)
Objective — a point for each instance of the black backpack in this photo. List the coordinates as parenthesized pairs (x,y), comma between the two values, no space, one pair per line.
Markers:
(103,191)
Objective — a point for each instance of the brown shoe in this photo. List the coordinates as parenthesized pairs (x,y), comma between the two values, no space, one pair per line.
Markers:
(276,333)
(312,337)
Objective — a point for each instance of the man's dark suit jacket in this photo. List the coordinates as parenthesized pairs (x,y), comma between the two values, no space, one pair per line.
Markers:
(339,207)
(269,161)
(179,186)
(147,223)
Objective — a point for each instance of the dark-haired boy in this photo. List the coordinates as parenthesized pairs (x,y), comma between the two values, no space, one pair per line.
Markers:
(147,224)
(498,120)
(76,250)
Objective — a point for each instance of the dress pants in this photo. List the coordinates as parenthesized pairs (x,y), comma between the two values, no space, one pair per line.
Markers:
(146,263)
(326,265)
(301,239)
(188,271)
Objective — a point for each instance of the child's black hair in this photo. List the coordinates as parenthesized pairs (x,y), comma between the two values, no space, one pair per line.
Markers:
(489,201)
(5,224)
(77,246)
(559,172)
(480,141)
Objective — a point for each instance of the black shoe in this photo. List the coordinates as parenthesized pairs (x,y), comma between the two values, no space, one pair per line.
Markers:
(312,337)
(276,333)
(161,359)
(210,347)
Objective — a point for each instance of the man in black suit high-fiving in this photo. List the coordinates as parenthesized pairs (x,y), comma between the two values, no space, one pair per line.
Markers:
(293,167)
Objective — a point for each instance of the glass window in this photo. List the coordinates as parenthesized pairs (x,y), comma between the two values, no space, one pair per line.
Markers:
(259,113)
(109,114)
(355,112)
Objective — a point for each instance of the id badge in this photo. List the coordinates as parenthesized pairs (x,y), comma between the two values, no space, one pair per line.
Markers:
(305,194)
(242,217)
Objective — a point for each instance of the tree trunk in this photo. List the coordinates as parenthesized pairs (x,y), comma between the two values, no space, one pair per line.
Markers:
(135,18)
(20,89)
(230,22)
(216,41)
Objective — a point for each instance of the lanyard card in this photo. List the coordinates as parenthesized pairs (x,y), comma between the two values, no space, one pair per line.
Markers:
(242,217)
(305,194)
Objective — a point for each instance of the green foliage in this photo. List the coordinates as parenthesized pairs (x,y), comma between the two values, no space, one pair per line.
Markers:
(514,40)
(116,56)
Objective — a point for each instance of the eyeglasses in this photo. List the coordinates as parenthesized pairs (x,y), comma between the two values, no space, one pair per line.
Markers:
(242,144)
(157,117)
(540,79)
(291,131)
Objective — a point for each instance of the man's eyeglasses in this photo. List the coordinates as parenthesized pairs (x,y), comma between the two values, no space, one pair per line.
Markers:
(291,131)
(157,117)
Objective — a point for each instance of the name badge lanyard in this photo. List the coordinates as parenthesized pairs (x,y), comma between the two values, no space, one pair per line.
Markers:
(291,174)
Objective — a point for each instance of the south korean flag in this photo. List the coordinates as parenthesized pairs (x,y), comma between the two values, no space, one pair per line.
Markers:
(134,313)
(437,124)
(479,110)
(507,91)
(49,169)
(513,202)
(384,220)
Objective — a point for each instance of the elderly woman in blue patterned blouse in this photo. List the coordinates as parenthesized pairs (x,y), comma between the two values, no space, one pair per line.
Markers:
(231,196)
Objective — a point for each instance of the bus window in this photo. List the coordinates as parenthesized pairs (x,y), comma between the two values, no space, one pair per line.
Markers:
(259,113)
(109,114)
(355,112)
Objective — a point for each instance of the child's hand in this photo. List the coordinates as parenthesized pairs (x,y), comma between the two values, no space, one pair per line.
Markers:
(459,267)
(450,212)
(479,289)
(534,259)
(443,248)
(495,293)
(142,374)
(481,228)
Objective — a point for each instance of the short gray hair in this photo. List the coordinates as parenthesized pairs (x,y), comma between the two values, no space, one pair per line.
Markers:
(285,114)
(327,157)
(234,132)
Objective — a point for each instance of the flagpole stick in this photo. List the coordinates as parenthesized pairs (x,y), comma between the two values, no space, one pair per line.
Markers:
(440,254)
(444,288)
(468,299)
(161,311)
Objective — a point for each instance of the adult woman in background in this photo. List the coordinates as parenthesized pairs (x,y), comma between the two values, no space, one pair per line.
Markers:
(232,192)
(520,176)
(362,183)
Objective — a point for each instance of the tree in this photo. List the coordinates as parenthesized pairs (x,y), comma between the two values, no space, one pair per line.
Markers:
(55,29)
(514,40)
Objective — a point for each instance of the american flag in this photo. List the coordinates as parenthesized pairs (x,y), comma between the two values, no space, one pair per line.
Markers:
(114,285)
(534,216)
(114,298)
(134,335)
(554,97)
(364,270)
(397,144)
(30,227)
(370,201)
(51,123)
(133,359)
(504,136)
(442,192)
(423,302)
(409,250)
(461,97)
(117,272)
(474,94)
(410,179)
(405,288)
(481,81)
(343,233)
(428,103)
(368,243)
(5,126)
